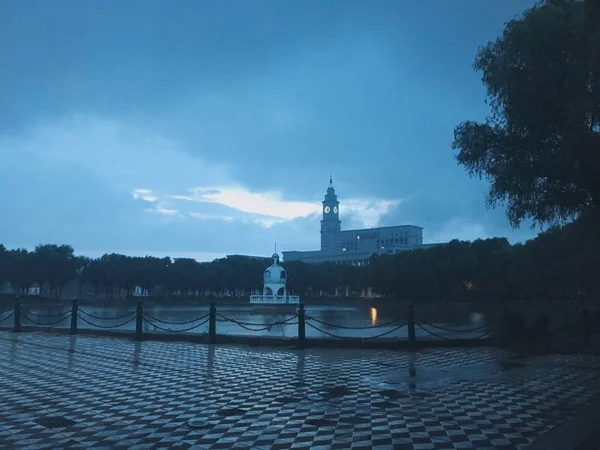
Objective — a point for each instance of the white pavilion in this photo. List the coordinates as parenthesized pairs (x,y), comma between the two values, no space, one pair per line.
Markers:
(275,286)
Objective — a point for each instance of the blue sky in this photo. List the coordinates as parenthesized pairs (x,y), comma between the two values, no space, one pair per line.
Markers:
(202,128)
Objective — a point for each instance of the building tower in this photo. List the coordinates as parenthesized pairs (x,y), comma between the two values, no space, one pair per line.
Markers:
(331,225)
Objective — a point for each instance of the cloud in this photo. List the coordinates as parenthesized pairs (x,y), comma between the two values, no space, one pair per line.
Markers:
(263,203)
(163,211)
(144,194)
(201,216)
(267,222)
(123,154)
(265,209)
(368,212)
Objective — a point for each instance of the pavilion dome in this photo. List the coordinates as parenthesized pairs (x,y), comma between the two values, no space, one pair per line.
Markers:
(275,273)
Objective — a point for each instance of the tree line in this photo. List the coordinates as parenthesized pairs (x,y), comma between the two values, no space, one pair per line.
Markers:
(560,264)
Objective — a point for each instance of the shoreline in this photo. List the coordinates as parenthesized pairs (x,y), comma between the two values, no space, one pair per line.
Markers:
(381,304)
(391,303)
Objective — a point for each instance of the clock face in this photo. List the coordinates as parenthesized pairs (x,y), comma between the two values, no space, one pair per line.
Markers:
(335,210)
(327,210)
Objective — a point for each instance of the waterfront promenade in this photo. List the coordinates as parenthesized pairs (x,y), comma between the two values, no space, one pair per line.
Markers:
(61,391)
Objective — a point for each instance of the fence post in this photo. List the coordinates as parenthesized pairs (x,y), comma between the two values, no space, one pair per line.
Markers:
(410,314)
(17,316)
(212,324)
(301,325)
(139,322)
(74,313)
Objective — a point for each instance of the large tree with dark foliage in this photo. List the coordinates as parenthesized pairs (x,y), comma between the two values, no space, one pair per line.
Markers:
(540,148)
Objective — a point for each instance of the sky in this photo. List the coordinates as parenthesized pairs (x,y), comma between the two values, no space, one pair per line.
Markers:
(205,128)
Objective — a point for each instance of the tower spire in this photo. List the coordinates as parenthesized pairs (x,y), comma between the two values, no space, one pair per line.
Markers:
(330,180)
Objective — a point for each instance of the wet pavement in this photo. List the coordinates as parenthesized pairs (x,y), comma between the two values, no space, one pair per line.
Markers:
(60,391)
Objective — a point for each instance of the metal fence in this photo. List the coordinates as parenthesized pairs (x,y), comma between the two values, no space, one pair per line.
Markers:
(23,317)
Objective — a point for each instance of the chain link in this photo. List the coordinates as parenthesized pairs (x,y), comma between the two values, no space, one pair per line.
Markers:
(106,318)
(447,338)
(105,327)
(342,327)
(241,325)
(251,324)
(328,333)
(353,337)
(175,323)
(262,326)
(7,317)
(469,330)
(44,316)
(35,322)
(158,327)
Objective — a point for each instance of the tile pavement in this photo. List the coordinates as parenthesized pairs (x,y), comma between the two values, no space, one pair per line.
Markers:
(59,391)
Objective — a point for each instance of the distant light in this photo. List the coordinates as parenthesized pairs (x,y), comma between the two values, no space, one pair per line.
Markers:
(343,249)
(357,237)
(373,316)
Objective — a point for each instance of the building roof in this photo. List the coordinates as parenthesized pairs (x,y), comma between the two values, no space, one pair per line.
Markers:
(248,256)
(380,228)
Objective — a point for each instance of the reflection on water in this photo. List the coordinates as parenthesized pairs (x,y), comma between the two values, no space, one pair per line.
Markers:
(476,319)
(412,371)
(72,350)
(300,365)
(137,355)
(373,316)
(361,318)
(210,361)
(13,348)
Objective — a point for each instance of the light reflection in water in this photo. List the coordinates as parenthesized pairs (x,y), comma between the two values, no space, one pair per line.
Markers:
(373,316)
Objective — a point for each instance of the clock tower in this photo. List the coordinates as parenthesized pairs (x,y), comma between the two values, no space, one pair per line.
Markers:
(331,225)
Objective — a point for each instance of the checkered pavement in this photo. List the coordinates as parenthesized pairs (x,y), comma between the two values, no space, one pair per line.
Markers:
(60,391)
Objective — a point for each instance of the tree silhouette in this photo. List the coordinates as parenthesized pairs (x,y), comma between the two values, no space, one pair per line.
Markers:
(540,148)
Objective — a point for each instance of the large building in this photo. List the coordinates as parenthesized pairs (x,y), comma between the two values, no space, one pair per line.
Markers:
(355,246)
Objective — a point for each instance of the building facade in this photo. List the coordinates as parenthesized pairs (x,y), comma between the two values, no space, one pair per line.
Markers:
(355,246)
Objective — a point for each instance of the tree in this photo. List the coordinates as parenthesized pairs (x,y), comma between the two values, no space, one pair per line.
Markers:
(56,265)
(540,148)
(82,264)
(22,269)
